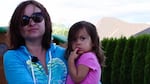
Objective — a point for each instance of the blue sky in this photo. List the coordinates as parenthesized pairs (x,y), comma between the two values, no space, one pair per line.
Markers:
(68,12)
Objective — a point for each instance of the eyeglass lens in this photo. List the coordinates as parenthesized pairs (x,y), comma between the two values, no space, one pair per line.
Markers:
(36,17)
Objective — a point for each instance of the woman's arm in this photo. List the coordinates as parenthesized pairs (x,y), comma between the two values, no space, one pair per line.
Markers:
(16,71)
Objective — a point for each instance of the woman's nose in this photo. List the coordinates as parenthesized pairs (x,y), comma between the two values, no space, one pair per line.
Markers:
(31,22)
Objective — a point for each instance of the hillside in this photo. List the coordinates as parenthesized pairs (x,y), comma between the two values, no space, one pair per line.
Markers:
(111,27)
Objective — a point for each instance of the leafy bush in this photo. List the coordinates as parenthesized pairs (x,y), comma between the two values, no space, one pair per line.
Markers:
(60,29)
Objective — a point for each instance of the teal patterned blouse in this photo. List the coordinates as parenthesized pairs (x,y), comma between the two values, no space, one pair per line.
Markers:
(19,69)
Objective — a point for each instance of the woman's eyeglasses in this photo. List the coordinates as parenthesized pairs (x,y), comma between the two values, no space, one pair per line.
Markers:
(36,17)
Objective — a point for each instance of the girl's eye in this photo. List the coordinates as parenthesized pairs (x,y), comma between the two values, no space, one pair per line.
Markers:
(82,38)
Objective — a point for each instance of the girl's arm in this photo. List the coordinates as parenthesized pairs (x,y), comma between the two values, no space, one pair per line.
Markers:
(77,73)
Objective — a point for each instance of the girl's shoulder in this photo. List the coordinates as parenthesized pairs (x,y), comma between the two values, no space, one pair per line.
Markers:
(89,54)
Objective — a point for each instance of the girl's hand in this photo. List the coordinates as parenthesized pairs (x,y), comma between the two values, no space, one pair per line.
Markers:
(73,54)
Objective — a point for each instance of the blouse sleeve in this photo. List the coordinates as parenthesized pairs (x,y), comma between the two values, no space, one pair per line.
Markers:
(15,69)
(89,59)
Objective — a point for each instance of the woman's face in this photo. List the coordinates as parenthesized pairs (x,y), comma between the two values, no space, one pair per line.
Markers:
(33,27)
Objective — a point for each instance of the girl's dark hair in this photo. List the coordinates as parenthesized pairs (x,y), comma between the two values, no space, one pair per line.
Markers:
(91,30)
(16,38)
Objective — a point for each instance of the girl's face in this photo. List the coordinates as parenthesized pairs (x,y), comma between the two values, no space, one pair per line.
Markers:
(32,29)
(82,42)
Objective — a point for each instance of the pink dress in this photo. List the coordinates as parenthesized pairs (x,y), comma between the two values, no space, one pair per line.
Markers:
(88,59)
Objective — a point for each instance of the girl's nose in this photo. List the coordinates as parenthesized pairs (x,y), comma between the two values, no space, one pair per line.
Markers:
(78,41)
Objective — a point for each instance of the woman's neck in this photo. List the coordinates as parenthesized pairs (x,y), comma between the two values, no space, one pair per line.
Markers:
(39,52)
(34,47)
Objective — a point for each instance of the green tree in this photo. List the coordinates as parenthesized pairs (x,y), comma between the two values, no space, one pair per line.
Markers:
(104,43)
(60,29)
(147,64)
(138,62)
(106,71)
(126,63)
(116,62)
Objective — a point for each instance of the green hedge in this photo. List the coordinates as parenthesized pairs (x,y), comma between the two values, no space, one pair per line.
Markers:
(147,65)
(126,67)
(138,61)
(128,60)
(116,62)
(109,47)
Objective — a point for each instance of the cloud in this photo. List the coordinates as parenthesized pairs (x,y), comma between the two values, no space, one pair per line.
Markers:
(131,11)
(71,11)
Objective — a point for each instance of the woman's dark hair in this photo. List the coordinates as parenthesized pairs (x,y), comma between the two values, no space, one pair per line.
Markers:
(16,38)
(91,30)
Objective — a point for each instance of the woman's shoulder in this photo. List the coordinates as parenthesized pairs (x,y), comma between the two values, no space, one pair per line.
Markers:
(10,52)
(57,48)
(14,54)
(58,52)
(9,56)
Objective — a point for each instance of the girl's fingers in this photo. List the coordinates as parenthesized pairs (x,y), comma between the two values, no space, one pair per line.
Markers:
(75,51)
(74,54)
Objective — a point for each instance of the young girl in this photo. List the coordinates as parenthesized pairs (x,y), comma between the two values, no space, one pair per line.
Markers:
(84,54)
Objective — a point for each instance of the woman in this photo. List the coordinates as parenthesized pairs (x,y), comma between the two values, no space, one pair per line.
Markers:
(33,59)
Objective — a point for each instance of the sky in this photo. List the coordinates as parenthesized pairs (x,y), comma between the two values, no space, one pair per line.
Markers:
(68,12)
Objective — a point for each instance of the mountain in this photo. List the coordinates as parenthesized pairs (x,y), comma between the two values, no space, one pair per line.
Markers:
(111,27)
